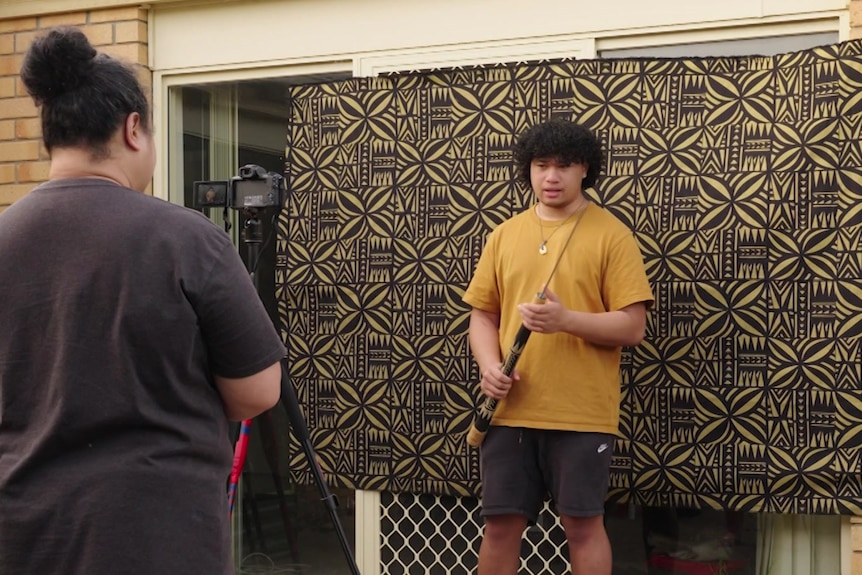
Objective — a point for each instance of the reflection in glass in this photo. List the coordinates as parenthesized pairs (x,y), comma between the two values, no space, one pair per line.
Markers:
(279,526)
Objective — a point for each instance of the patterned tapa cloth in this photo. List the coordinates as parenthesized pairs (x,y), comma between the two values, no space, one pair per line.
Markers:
(742,178)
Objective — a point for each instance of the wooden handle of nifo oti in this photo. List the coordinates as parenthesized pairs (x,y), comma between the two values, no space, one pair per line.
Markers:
(485,411)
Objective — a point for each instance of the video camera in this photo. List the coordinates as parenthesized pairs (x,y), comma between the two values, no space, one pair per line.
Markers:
(254,188)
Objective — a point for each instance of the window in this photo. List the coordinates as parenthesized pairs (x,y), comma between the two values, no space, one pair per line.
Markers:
(766,46)
(279,526)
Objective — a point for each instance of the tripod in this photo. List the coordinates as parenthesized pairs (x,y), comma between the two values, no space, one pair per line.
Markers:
(253,238)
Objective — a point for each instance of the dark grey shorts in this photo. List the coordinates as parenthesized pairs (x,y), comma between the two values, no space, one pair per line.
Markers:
(519,467)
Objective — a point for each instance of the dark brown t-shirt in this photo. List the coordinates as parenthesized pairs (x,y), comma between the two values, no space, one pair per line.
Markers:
(115,310)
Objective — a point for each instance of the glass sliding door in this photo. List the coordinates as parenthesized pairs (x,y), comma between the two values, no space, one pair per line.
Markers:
(279,526)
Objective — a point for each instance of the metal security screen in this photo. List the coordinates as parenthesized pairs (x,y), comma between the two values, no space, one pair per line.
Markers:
(440,535)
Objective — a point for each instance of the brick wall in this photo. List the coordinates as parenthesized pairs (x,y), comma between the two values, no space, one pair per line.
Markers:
(120,32)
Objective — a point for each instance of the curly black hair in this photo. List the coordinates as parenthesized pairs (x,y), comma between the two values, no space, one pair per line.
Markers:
(563,140)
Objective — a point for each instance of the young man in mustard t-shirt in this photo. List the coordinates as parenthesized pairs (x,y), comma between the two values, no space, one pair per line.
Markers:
(558,413)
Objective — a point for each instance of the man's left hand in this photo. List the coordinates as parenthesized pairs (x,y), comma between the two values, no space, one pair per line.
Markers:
(545,317)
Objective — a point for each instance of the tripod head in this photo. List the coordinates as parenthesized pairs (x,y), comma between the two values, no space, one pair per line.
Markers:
(252,191)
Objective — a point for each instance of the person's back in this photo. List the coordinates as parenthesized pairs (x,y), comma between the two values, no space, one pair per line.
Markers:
(130,329)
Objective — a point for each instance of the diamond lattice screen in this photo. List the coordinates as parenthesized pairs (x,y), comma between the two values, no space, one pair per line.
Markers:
(438,535)
(742,178)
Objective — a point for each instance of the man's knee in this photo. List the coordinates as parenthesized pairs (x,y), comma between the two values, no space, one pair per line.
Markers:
(505,529)
(583,530)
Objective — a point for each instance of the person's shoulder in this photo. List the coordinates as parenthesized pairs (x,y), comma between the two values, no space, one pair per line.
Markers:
(506,230)
(517,220)
(606,220)
(179,225)
(176,213)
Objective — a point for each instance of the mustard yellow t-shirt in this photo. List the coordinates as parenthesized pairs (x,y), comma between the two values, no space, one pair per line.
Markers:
(566,382)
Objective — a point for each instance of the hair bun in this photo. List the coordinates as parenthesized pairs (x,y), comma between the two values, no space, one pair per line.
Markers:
(57,63)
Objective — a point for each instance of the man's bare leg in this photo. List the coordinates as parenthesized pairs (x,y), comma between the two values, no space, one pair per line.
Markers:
(589,547)
(500,552)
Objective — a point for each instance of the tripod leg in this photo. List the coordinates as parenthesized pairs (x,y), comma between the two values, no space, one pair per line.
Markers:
(255,511)
(297,422)
(270,449)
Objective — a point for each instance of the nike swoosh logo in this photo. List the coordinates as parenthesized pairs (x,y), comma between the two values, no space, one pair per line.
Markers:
(602,447)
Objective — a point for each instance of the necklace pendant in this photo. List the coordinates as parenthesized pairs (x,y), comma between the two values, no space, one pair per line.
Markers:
(543,249)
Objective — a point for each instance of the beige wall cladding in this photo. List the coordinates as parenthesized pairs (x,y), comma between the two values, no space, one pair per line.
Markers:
(855,18)
(120,32)
(856,541)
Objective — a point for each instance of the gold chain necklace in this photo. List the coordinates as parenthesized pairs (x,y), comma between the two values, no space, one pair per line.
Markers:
(543,247)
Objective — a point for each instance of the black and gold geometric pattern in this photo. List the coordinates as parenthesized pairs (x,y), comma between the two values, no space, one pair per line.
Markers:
(742,178)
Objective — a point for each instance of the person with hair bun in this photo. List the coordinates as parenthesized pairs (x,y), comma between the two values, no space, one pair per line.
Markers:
(131,334)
